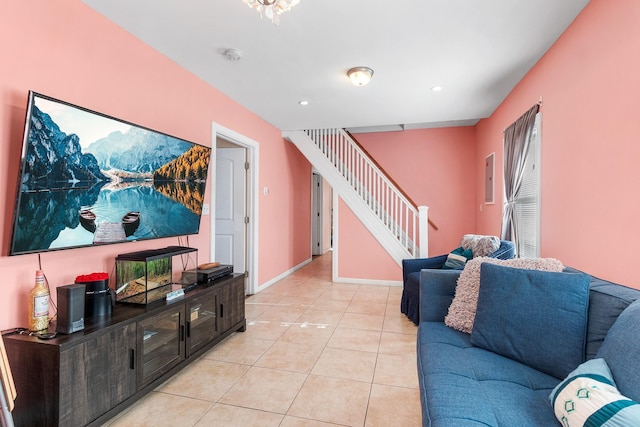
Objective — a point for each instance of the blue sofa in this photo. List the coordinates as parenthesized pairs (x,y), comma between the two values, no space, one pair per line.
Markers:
(465,385)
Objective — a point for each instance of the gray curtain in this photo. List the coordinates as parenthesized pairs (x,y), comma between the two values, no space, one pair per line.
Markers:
(516,147)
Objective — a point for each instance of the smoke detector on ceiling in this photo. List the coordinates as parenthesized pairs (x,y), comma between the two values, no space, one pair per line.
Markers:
(233,55)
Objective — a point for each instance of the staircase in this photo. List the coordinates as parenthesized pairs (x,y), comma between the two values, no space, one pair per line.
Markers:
(397,223)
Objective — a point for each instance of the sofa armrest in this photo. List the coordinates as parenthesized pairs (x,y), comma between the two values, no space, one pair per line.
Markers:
(413,265)
(437,289)
(505,251)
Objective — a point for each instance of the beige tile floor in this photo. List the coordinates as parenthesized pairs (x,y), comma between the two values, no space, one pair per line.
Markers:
(315,353)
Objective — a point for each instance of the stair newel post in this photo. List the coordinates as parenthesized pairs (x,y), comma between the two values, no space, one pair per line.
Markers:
(423,233)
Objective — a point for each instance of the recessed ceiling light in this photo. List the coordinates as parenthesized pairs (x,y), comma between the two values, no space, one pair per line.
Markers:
(303,103)
(436,88)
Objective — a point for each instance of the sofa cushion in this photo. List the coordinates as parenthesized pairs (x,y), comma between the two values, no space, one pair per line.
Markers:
(588,396)
(480,245)
(606,301)
(462,385)
(463,307)
(457,258)
(535,317)
(621,348)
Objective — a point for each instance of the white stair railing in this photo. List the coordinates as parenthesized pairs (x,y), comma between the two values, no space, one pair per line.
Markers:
(393,209)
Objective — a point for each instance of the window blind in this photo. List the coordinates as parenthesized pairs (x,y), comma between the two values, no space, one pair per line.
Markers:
(527,206)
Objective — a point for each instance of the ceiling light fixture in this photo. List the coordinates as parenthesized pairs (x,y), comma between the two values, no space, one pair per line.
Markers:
(304,102)
(271,9)
(360,76)
(436,88)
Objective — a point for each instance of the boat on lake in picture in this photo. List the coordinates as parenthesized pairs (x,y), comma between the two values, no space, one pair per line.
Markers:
(130,222)
(87,219)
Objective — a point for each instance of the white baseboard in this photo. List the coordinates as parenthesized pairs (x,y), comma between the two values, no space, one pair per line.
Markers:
(368,281)
(336,279)
(281,276)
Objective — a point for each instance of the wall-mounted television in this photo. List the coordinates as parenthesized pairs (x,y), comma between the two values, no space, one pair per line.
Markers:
(90,179)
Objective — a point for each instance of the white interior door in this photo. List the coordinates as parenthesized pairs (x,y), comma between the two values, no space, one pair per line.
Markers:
(230,242)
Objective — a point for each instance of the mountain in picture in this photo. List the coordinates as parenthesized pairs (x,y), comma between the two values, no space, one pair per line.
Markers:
(137,151)
(183,179)
(55,159)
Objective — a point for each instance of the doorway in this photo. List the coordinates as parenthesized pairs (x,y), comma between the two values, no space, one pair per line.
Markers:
(317,216)
(234,236)
(321,215)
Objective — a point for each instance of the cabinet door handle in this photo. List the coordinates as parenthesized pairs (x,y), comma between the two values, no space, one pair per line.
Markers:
(188,329)
(221,310)
(132,358)
(181,332)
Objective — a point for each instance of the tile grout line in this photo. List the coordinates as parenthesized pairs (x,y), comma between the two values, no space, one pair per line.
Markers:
(311,370)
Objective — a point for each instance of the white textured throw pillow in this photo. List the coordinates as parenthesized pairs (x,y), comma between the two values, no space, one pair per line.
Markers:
(480,245)
(462,311)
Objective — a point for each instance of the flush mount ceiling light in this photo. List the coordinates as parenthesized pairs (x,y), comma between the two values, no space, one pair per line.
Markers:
(271,9)
(360,76)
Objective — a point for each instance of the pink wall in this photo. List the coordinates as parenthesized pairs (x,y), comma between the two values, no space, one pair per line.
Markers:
(66,50)
(360,256)
(590,129)
(285,223)
(435,167)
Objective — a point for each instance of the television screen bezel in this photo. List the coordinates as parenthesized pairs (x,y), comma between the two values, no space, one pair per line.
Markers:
(23,158)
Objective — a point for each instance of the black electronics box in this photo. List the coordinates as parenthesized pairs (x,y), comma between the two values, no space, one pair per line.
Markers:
(70,308)
(210,274)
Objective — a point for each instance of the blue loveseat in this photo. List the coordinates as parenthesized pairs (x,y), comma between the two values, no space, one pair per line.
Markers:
(467,385)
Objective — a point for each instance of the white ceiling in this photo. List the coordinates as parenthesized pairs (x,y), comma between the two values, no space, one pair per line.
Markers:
(477,50)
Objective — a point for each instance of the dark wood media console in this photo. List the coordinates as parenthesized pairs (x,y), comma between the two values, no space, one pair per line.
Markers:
(87,377)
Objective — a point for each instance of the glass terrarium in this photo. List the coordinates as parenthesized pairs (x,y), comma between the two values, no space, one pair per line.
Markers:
(147,276)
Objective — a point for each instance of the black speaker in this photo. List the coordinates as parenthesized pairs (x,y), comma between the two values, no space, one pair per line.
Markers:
(70,308)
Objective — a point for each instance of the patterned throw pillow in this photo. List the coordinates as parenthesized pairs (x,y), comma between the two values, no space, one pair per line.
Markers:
(589,397)
(462,310)
(480,245)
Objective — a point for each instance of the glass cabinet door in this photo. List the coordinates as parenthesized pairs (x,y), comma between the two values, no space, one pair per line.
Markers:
(161,338)
(201,322)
